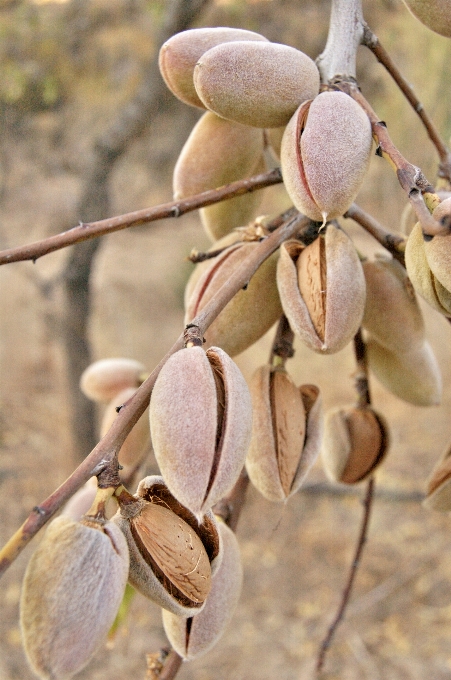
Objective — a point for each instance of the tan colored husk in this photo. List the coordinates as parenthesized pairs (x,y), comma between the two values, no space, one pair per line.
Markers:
(435,14)
(344,291)
(355,443)
(137,444)
(221,218)
(286,433)
(255,83)
(419,271)
(392,314)
(324,167)
(172,554)
(250,313)
(194,637)
(438,249)
(199,460)
(216,153)
(439,485)
(71,592)
(104,379)
(179,55)
(412,376)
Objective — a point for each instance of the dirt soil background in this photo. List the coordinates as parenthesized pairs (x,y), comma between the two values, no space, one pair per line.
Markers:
(296,557)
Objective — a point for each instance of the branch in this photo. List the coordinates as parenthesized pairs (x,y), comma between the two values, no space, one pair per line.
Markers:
(364,399)
(371,41)
(411,178)
(394,243)
(345,35)
(111,443)
(90,230)
(367,503)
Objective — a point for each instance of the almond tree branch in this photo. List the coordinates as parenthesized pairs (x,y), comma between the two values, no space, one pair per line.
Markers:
(90,230)
(411,178)
(394,243)
(371,41)
(108,447)
(364,399)
(345,35)
(367,503)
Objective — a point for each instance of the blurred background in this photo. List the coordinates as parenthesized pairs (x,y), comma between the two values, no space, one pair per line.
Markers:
(89,131)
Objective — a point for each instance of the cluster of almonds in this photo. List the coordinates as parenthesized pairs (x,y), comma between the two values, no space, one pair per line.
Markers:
(205,423)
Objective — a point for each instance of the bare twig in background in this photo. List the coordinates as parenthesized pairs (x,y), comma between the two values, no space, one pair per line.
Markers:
(352,574)
(363,400)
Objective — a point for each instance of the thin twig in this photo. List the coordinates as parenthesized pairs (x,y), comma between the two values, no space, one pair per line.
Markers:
(412,180)
(171,666)
(107,448)
(371,41)
(352,574)
(394,243)
(90,230)
(363,400)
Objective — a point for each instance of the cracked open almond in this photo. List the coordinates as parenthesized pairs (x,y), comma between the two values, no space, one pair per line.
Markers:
(200,422)
(195,636)
(322,289)
(286,433)
(355,443)
(171,552)
(325,154)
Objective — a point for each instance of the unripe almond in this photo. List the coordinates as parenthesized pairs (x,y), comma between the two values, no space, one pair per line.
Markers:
(250,313)
(286,433)
(200,422)
(137,444)
(221,218)
(325,155)
(197,635)
(255,83)
(179,55)
(355,443)
(412,376)
(104,379)
(439,485)
(172,554)
(216,153)
(392,314)
(322,290)
(435,14)
(71,592)
(438,249)
(419,271)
